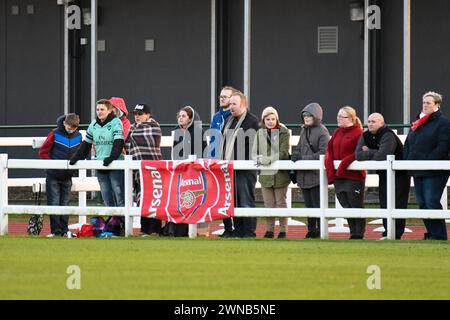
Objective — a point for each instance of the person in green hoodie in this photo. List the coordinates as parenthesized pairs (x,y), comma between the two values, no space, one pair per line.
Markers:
(272,144)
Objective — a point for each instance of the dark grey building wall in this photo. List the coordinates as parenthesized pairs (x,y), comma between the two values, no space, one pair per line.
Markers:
(31,71)
(175,74)
(235,44)
(34,63)
(287,71)
(431,52)
(391,62)
(2,64)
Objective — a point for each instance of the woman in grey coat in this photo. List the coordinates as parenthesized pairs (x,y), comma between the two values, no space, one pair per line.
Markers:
(313,142)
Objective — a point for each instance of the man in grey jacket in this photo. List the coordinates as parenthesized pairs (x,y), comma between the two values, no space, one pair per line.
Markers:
(313,142)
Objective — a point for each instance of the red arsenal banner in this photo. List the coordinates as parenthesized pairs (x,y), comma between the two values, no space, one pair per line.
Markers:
(187,191)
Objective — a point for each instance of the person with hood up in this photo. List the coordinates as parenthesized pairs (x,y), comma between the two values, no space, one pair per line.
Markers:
(121,112)
(106,132)
(272,144)
(313,142)
(188,140)
(188,135)
(61,144)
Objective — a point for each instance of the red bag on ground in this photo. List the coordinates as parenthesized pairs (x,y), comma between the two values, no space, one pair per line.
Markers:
(86,230)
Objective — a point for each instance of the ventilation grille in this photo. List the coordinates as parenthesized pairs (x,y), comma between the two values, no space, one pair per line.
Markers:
(327,40)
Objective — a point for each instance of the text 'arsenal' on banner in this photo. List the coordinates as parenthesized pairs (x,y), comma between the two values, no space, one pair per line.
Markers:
(187,191)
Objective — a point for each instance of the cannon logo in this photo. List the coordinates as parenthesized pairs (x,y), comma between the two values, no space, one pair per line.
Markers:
(191,192)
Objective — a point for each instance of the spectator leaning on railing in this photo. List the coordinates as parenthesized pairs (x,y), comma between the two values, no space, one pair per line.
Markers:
(143,143)
(348,184)
(313,142)
(238,138)
(272,144)
(375,144)
(106,132)
(61,144)
(429,139)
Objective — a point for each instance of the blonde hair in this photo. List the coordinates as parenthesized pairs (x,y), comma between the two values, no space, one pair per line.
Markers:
(352,114)
(436,97)
(242,96)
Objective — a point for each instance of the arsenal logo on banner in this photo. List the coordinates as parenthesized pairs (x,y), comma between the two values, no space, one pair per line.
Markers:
(186,191)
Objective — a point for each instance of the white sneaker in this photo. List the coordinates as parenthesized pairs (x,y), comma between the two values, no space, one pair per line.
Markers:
(382,238)
(51,235)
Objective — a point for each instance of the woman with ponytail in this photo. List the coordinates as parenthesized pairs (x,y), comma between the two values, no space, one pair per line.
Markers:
(348,184)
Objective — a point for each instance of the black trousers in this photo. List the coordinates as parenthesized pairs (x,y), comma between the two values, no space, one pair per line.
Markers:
(350,194)
(244,194)
(402,186)
(312,200)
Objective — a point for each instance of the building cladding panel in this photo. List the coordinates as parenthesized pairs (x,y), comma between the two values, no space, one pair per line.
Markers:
(287,70)
(175,74)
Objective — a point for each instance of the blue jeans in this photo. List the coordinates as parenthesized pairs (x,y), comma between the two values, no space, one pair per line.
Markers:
(428,191)
(245,182)
(58,194)
(112,187)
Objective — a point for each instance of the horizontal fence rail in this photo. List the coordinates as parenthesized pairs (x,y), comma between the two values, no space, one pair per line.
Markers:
(324,212)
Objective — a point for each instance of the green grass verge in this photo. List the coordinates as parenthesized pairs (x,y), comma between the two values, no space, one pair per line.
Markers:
(155,268)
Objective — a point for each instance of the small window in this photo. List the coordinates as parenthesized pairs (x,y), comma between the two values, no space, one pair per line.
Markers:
(327,40)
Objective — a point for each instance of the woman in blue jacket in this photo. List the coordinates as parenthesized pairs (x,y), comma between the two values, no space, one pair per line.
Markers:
(429,139)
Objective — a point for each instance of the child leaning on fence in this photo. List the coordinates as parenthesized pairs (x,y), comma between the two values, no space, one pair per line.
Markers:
(61,144)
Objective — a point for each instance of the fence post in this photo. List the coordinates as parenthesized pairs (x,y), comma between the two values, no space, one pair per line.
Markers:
(82,198)
(3,193)
(323,199)
(128,195)
(390,181)
(192,227)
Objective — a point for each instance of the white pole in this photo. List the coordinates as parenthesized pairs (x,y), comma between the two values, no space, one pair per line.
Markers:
(82,203)
(3,193)
(406,62)
(213,57)
(323,199)
(247,48)
(366,63)
(93,57)
(390,180)
(192,227)
(128,173)
(66,61)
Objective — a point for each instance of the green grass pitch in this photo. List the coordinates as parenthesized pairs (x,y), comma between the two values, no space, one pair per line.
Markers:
(159,268)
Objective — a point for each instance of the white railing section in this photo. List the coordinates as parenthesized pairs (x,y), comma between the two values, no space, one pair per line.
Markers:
(324,212)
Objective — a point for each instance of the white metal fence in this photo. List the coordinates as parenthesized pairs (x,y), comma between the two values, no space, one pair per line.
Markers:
(324,212)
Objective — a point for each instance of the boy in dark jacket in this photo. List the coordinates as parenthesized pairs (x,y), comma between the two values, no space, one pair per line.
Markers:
(61,144)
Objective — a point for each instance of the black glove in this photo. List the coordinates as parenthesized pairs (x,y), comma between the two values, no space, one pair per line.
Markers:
(82,153)
(107,161)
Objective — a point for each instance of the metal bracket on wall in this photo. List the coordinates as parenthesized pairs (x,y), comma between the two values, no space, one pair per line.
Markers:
(149,45)
(101,45)
(15,10)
